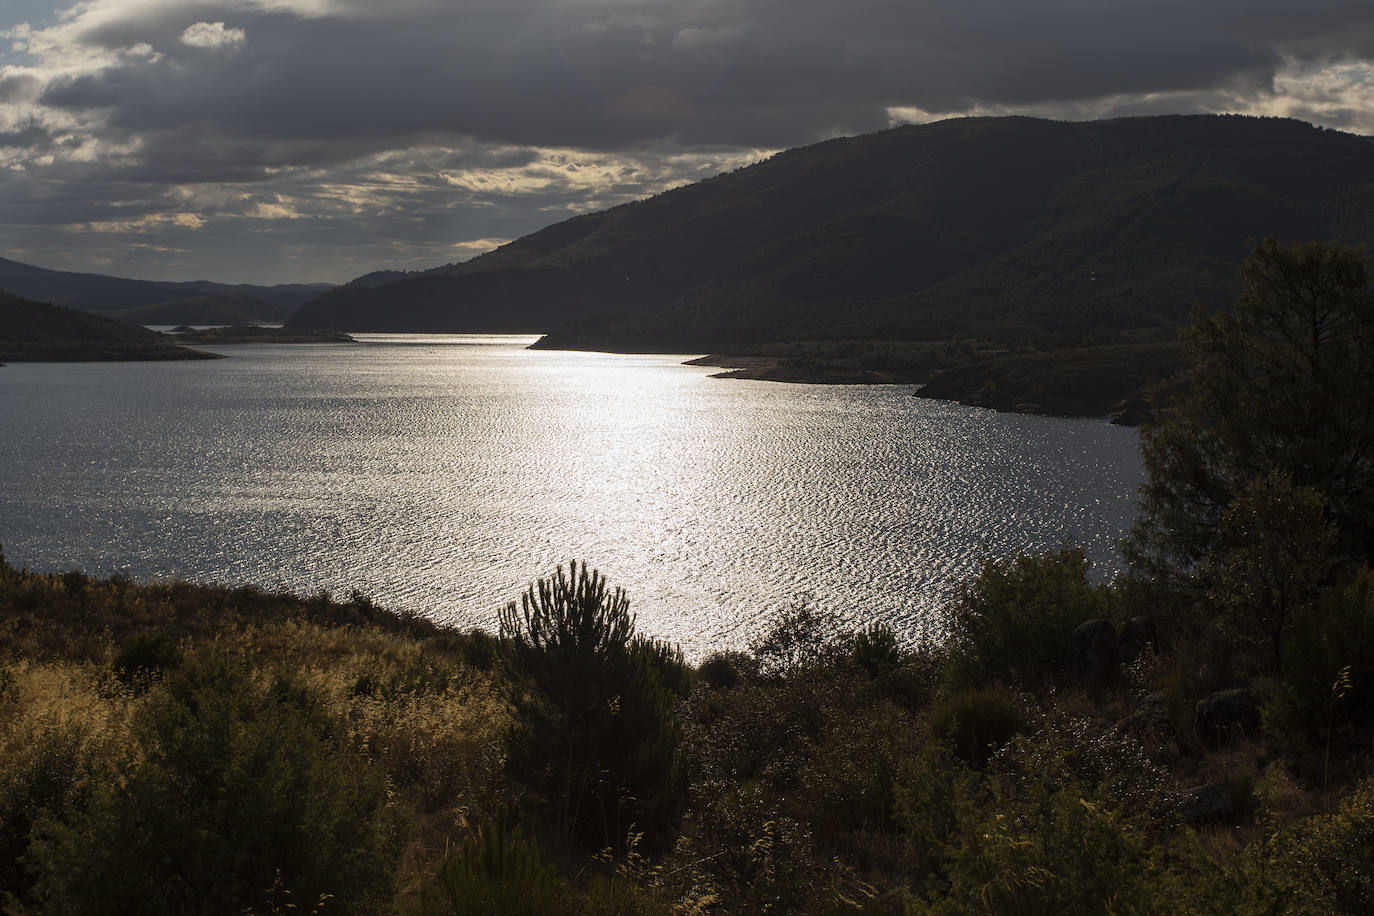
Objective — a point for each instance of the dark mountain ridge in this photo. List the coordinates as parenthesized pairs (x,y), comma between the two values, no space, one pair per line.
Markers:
(975,227)
(97,292)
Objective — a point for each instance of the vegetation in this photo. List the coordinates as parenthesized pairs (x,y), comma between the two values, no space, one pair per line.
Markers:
(1192,737)
(973,228)
(207,308)
(1105,380)
(34,331)
(96,292)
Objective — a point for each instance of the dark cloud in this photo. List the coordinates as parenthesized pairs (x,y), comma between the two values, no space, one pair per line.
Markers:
(755,73)
(15,89)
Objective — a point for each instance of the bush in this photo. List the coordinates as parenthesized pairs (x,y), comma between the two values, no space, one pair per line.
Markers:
(875,649)
(600,743)
(498,873)
(144,657)
(1324,864)
(723,670)
(1016,620)
(803,636)
(50,780)
(976,722)
(1068,855)
(1272,550)
(1338,635)
(241,799)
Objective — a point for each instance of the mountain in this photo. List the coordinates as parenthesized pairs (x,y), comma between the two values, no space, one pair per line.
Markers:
(97,292)
(968,228)
(36,331)
(208,308)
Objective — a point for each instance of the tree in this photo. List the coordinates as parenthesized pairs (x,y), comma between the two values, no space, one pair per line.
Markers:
(1273,551)
(601,743)
(1285,383)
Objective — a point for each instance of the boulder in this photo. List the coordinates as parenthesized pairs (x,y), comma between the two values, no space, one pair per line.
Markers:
(1151,717)
(1205,803)
(1094,649)
(1226,713)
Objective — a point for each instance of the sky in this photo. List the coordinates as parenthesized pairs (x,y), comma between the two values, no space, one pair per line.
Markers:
(275,141)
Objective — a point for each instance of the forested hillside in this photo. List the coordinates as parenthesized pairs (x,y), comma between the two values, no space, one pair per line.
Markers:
(991,228)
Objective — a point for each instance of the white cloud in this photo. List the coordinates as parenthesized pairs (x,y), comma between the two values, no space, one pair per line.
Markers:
(212,35)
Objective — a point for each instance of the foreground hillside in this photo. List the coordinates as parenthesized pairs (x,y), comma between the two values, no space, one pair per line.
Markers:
(1192,737)
(998,228)
(36,331)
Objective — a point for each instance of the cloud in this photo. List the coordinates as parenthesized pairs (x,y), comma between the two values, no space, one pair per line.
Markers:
(209,35)
(413,118)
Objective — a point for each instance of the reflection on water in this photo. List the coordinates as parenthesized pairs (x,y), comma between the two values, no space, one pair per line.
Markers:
(443,473)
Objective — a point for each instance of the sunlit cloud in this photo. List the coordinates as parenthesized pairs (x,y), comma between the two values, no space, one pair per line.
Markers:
(209,35)
(153,222)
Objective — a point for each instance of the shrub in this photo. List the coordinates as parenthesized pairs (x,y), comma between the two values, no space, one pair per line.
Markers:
(803,636)
(1016,620)
(50,780)
(1324,864)
(976,722)
(144,657)
(1272,550)
(1069,855)
(242,799)
(600,743)
(723,670)
(498,873)
(875,649)
(1336,636)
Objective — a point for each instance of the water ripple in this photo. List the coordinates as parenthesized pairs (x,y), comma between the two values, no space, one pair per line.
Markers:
(442,474)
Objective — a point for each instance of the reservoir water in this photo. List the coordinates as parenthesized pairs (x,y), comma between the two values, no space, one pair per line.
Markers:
(443,474)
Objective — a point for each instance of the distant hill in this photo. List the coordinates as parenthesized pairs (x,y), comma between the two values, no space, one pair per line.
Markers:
(96,292)
(978,227)
(39,332)
(210,308)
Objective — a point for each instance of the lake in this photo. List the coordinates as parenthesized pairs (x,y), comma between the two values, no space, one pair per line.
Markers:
(443,474)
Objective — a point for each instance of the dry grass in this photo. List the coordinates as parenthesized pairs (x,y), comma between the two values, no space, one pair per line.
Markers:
(399,688)
(75,698)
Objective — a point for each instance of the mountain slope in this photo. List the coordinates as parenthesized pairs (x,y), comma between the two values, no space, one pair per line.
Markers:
(36,331)
(994,227)
(91,292)
(207,308)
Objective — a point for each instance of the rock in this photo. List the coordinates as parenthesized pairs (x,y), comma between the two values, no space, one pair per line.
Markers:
(1094,649)
(1205,803)
(1151,717)
(1226,713)
(1135,637)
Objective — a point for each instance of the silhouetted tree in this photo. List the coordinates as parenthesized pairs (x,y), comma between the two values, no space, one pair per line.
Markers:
(600,743)
(1285,382)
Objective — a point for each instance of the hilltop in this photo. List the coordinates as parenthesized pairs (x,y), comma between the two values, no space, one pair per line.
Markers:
(993,228)
(196,302)
(39,332)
